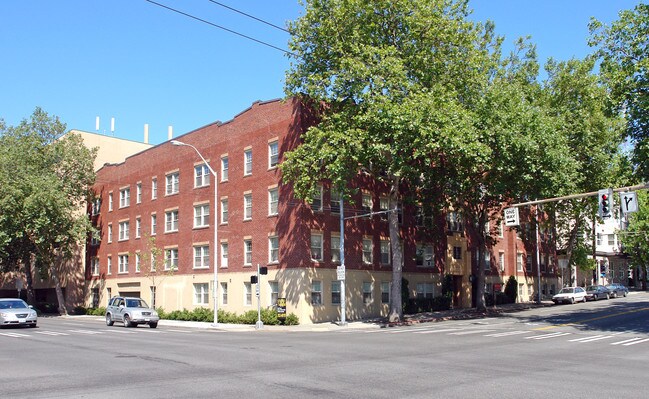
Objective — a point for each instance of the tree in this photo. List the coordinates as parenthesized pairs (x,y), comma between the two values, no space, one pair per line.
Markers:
(155,267)
(636,238)
(393,76)
(46,179)
(623,49)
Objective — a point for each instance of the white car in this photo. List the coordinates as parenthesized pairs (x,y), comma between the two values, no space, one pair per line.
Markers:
(570,295)
(16,312)
(130,311)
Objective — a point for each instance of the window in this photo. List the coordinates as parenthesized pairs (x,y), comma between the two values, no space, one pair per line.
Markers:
(385,292)
(424,255)
(316,246)
(173,180)
(201,215)
(501,230)
(171,259)
(171,221)
(224,211)
(247,162)
(611,240)
(367,292)
(110,233)
(154,224)
(599,239)
(247,206)
(201,294)
(454,222)
(316,292)
(367,203)
(367,251)
(201,257)
(124,197)
(225,165)
(110,201)
(138,227)
(335,248)
(96,206)
(519,262)
(334,202)
(273,154)
(457,253)
(528,263)
(544,260)
(335,292)
(487,260)
(123,230)
(247,252)
(384,205)
(94,241)
(122,264)
(109,264)
(385,252)
(138,263)
(501,261)
(247,292)
(138,192)
(424,290)
(316,200)
(224,293)
(273,249)
(273,200)
(224,254)
(154,188)
(94,266)
(274,292)
(201,176)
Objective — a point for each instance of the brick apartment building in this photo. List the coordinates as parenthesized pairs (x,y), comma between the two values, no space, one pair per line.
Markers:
(162,200)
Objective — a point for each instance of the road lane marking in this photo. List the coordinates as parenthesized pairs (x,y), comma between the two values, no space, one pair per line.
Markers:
(591,339)
(89,332)
(436,331)
(119,331)
(51,333)
(625,341)
(15,335)
(470,332)
(636,342)
(505,334)
(551,335)
(592,319)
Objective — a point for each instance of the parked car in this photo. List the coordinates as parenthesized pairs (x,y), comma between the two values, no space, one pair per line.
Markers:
(595,292)
(130,311)
(570,295)
(16,312)
(617,290)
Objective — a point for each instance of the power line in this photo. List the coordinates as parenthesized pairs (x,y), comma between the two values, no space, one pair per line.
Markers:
(249,16)
(220,27)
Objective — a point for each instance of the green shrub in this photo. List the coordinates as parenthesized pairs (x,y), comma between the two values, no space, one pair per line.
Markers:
(79,310)
(291,320)
(268,316)
(511,289)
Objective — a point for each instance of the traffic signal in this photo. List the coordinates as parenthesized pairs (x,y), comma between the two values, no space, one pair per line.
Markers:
(263,270)
(253,279)
(605,198)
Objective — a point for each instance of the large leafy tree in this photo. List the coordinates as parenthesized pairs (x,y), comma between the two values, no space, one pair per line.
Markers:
(46,178)
(623,48)
(636,238)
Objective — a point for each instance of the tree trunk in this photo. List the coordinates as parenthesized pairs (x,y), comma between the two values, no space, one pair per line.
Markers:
(479,301)
(59,291)
(396,306)
(28,267)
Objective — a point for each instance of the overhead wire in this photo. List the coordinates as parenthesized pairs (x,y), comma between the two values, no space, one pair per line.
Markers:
(248,15)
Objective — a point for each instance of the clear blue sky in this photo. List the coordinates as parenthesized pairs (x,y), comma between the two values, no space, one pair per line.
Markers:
(139,63)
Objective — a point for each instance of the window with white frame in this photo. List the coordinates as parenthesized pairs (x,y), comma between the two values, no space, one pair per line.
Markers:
(454,222)
(201,257)
(274,292)
(335,292)
(501,230)
(138,262)
(94,241)
(316,200)
(171,221)
(109,232)
(154,224)
(138,193)
(424,290)
(273,154)
(368,249)
(247,206)
(366,203)
(611,240)
(109,265)
(224,293)
(201,293)
(201,176)
(123,230)
(96,206)
(124,197)
(487,260)
(224,254)
(225,167)
(519,262)
(224,211)
(316,292)
(424,255)
(501,261)
(201,215)
(94,266)
(247,294)
(154,188)
(335,248)
(457,253)
(334,201)
(247,252)
(528,263)
(173,183)
(171,259)
(122,264)
(316,246)
(273,201)
(520,289)
(384,205)
(367,292)
(110,201)
(599,239)
(385,292)
(247,162)
(385,252)
(273,249)
(138,227)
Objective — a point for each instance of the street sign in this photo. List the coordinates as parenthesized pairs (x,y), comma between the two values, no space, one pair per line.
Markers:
(340,272)
(629,202)
(511,216)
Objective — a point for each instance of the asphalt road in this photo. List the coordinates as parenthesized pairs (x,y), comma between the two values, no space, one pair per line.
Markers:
(598,349)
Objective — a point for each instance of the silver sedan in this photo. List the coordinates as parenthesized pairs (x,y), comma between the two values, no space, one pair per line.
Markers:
(16,312)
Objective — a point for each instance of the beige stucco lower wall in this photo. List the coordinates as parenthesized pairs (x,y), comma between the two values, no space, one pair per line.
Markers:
(529,288)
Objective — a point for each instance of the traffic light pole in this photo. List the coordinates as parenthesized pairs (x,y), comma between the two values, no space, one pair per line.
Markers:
(259,323)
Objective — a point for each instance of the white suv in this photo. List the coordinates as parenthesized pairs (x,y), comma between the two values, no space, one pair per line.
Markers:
(130,311)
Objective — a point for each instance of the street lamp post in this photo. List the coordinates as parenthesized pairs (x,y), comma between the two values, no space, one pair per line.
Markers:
(216,219)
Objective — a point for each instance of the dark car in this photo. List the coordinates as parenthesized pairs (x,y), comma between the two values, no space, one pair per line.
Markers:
(617,290)
(595,292)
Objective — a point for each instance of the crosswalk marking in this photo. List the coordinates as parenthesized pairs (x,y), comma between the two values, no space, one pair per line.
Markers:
(89,332)
(51,333)
(120,331)
(436,331)
(591,338)
(506,334)
(15,335)
(625,341)
(470,332)
(636,342)
(551,335)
